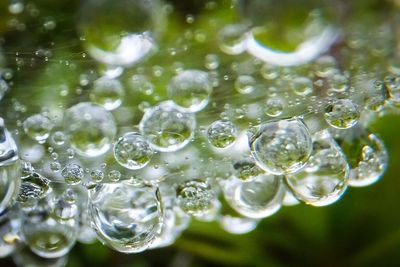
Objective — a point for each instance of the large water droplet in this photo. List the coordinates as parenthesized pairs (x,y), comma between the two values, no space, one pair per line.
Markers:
(38,127)
(90,129)
(166,128)
(324,179)
(258,198)
(342,114)
(115,41)
(132,151)
(108,93)
(10,169)
(222,133)
(281,147)
(190,90)
(126,218)
(195,197)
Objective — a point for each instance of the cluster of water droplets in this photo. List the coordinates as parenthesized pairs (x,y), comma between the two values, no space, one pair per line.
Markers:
(136,148)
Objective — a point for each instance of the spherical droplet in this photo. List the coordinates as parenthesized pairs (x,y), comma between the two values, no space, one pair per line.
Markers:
(190,90)
(195,197)
(58,138)
(166,128)
(342,114)
(324,179)
(274,107)
(222,133)
(90,129)
(108,93)
(231,39)
(245,84)
(73,174)
(281,147)
(38,127)
(126,218)
(302,86)
(132,151)
(128,40)
(246,170)
(258,198)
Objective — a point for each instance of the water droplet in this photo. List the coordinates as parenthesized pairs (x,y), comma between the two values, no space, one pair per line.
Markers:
(237,225)
(281,147)
(366,153)
(246,170)
(114,176)
(324,179)
(245,84)
(342,114)
(90,129)
(47,237)
(132,151)
(195,197)
(127,41)
(125,217)
(274,107)
(73,174)
(302,86)
(211,62)
(231,39)
(258,198)
(10,169)
(166,128)
(190,90)
(58,138)
(38,127)
(97,176)
(107,93)
(222,133)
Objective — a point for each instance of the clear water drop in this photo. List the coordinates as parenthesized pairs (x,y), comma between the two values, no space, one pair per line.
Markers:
(324,179)
(190,90)
(126,218)
(73,174)
(259,198)
(166,128)
(281,147)
(108,93)
(90,129)
(38,127)
(132,151)
(222,133)
(342,114)
(195,197)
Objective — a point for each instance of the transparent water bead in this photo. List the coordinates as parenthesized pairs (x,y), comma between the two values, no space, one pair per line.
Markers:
(47,237)
(24,257)
(190,90)
(279,39)
(38,127)
(231,39)
(367,156)
(195,197)
(9,233)
(342,114)
(246,170)
(107,92)
(90,129)
(256,199)
(132,151)
(274,107)
(245,84)
(115,41)
(222,133)
(33,187)
(73,174)
(325,177)
(10,169)
(237,225)
(302,86)
(281,147)
(126,218)
(166,128)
